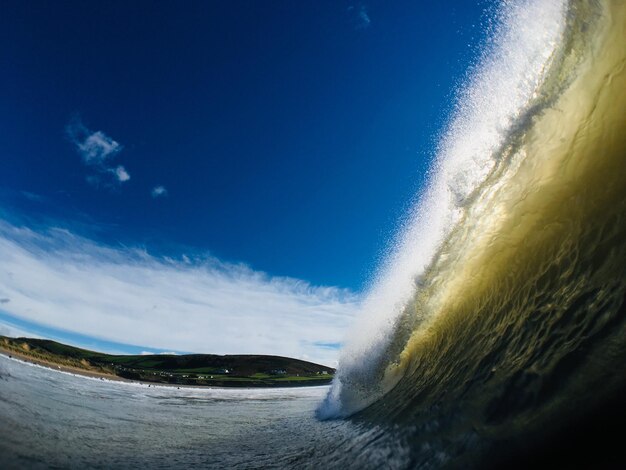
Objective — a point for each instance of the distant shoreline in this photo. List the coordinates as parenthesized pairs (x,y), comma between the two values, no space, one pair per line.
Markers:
(12,355)
(29,351)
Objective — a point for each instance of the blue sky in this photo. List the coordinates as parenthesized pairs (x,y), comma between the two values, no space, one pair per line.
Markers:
(282,141)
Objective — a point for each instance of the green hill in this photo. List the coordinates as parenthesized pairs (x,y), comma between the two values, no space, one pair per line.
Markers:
(189,369)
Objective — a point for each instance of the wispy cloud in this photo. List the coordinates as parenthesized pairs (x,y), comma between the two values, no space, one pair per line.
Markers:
(158,191)
(359,16)
(32,196)
(59,279)
(96,150)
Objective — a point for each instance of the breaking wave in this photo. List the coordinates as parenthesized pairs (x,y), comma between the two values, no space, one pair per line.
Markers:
(503,297)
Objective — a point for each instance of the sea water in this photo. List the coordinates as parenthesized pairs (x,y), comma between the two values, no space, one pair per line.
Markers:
(54,419)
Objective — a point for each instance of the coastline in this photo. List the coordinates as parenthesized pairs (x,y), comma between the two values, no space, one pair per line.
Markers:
(23,357)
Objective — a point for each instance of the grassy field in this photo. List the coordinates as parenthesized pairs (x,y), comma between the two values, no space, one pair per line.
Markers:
(191,369)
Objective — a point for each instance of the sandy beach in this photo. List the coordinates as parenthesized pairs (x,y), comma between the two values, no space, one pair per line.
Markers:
(10,353)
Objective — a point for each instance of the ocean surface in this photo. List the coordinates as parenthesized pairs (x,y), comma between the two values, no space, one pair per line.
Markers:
(495,332)
(51,419)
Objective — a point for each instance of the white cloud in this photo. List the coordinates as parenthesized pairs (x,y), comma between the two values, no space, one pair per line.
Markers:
(121,174)
(158,191)
(61,280)
(15,332)
(96,149)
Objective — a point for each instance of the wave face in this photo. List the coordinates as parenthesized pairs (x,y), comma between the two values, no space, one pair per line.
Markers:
(503,298)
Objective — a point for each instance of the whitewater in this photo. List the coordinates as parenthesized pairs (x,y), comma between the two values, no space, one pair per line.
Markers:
(495,330)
